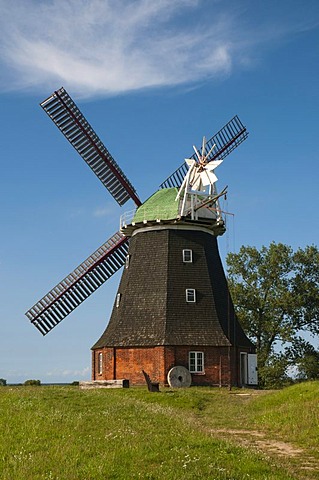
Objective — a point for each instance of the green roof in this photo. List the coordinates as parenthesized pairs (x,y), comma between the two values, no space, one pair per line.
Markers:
(161,205)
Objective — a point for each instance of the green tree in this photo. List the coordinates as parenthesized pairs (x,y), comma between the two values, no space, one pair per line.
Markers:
(276,295)
(303,355)
(306,288)
(32,382)
(274,373)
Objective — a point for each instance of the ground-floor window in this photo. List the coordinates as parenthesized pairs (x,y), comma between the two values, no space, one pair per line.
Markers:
(100,363)
(196,362)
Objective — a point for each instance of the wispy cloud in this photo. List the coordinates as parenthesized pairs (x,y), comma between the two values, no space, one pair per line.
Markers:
(103,211)
(69,373)
(108,210)
(56,375)
(102,47)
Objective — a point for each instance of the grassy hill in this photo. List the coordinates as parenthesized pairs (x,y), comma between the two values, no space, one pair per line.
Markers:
(198,433)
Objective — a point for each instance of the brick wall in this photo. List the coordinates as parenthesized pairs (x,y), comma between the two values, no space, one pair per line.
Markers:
(221,365)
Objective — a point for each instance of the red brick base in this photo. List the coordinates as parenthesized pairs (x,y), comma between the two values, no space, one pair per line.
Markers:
(221,364)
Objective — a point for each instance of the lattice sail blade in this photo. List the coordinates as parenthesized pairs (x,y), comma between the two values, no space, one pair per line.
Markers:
(80,284)
(226,140)
(65,114)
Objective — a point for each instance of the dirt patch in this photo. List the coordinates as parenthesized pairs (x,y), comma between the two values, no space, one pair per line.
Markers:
(280,448)
(259,441)
(249,437)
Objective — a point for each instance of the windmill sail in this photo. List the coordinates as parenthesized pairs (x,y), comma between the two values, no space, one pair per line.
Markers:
(225,141)
(65,114)
(80,284)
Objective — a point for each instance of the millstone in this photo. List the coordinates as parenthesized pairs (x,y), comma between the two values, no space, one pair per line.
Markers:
(179,377)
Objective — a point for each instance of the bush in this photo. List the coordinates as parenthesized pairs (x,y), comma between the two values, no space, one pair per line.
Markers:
(32,382)
(75,383)
(274,373)
(3,382)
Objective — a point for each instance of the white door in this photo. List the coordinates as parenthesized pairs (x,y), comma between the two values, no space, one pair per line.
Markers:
(252,369)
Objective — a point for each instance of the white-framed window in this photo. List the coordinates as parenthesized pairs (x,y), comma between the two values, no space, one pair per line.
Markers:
(187,255)
(190,295)
(118,300)
(100,363)
(196,362)
(127,261)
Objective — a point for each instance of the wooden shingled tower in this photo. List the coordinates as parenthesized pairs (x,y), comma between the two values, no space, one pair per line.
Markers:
(173,316)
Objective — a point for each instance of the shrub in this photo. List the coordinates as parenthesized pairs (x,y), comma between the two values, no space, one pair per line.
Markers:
(32,382)
(274,373)
(3,382)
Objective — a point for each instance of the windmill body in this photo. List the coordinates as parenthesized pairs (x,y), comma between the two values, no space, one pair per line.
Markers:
(173,307)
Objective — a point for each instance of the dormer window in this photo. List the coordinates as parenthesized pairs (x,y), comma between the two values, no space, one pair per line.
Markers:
(187,255)
(118,300)
(190,295)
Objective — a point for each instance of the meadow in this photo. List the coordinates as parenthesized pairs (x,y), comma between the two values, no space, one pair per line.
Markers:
(62,432)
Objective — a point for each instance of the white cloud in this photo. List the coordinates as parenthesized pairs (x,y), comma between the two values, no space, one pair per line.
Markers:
(77,373)
(85,372)
(107,47)
(103,211)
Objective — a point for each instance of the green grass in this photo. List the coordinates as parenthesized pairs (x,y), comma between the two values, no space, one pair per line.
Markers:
(67,433)
(293,413)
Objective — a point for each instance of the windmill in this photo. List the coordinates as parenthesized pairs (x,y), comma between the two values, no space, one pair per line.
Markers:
(165,314)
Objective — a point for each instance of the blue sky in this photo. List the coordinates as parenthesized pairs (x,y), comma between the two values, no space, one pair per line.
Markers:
(152,78)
